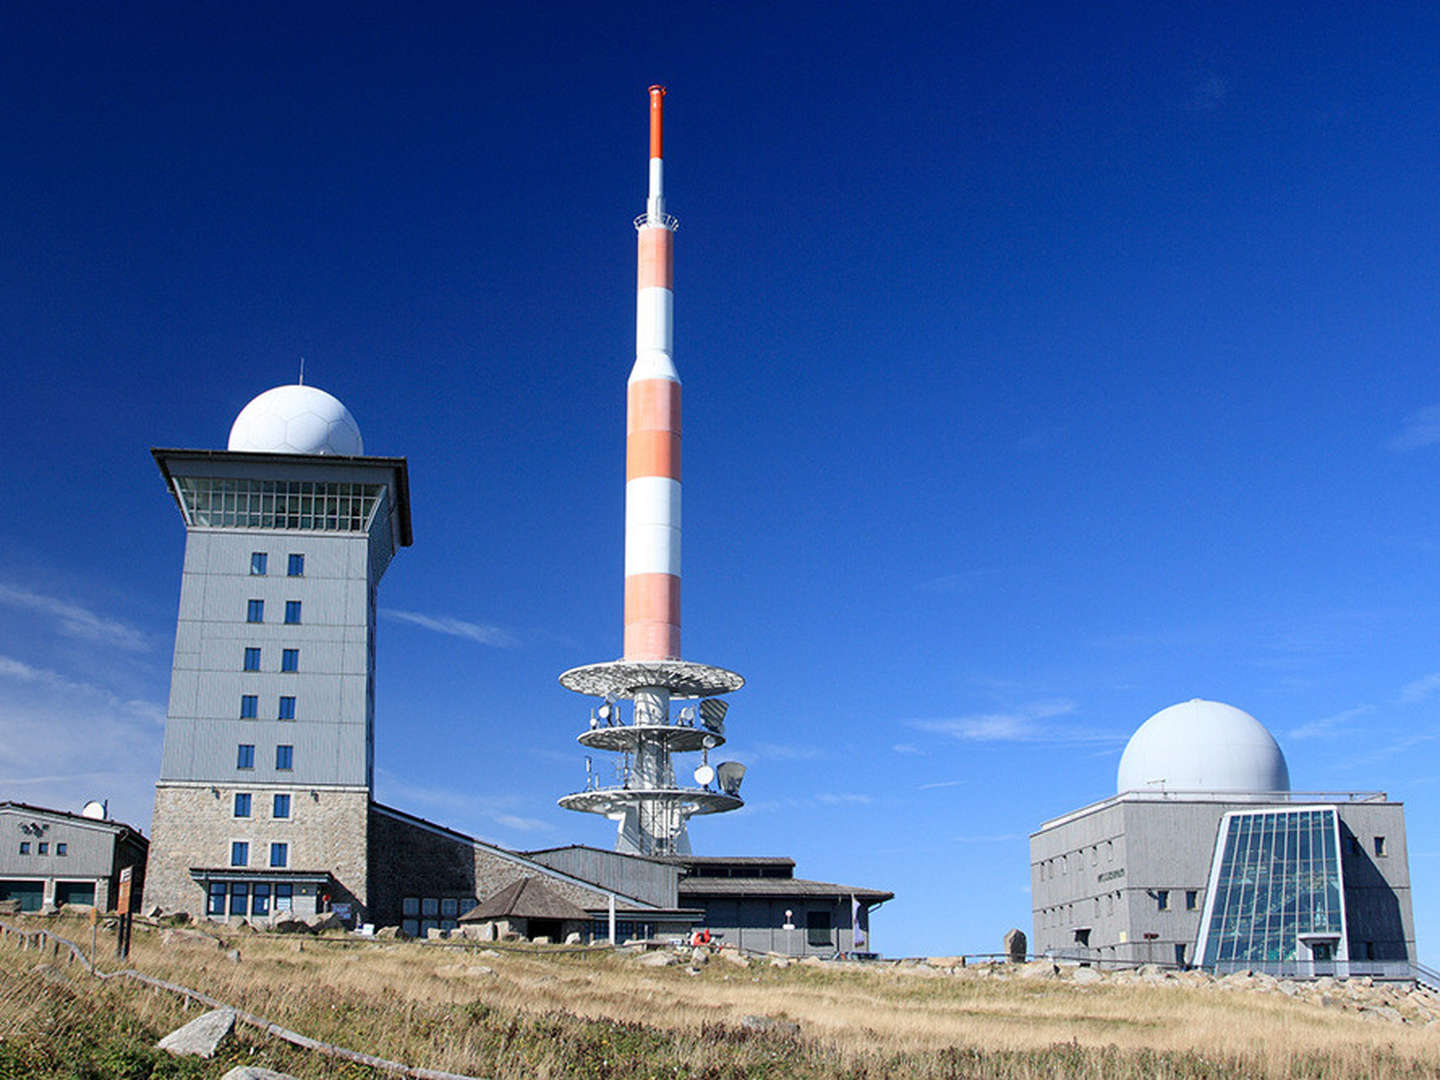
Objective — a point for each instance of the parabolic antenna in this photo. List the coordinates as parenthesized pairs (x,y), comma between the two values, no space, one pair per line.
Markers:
(730,773)
(94,810)
(703,775)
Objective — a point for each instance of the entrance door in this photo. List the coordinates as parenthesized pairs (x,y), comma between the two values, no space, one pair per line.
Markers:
(75,892)
(31,894)
(1322,956)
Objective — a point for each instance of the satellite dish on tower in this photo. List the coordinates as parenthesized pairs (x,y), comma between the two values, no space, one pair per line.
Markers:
(95,810)
(703,775)
(730,773)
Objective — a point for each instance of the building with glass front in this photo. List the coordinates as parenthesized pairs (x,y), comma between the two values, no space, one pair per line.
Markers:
(1206,857)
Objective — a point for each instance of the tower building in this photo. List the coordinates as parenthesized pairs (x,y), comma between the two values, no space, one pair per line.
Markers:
(263,799)
(651,808)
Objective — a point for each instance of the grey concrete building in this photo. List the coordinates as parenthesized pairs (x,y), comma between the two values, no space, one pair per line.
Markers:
(1206,857)
(53,857)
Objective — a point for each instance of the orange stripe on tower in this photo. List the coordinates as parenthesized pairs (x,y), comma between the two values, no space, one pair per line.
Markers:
(657,259)
(652,453)
(652,617)
(653,405)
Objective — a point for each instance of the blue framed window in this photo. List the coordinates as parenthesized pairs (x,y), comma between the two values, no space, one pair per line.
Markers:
(283,895)
(62,849)
(249,706)
(252,658)
(290,660)
(287,707)
(258,561)
(245,756)
(282,807)
(239,853)
(296,566)
(284,757)
(260,903)
(216,904)
(239,897)
(279,855)
(242,804)
(42,848)
(255,611)
(292,611)
(24,847)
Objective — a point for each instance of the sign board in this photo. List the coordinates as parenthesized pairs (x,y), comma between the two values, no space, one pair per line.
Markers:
(122,901)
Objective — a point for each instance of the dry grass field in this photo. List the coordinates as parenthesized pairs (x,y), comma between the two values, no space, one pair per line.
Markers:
(512,1015)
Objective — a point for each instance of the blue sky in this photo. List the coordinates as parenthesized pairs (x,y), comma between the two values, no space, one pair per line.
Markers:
(1044,367)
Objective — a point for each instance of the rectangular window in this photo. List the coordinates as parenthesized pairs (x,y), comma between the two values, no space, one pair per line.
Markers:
(24,847)
(410,906)
(258,559)
(279,855)
(429,908)
(1162,899)
(255,611)
(1192,899)
(1380,846)
(287,708)
(252,659)
(283,894)
(239,853)
(817,928)
(239,897)
(216,906)
(242,804)
(292,611)
(290,660)
(296,566)
(449,907)
(42,848)
(260,905)
(284,757)
(249,706)
(245,756)
(282,807)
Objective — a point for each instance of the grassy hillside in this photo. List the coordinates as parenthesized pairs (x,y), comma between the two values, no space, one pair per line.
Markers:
(602,1016)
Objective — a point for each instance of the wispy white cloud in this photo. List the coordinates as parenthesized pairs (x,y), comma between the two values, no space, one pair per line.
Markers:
(459,809)
(1330,726)
(992,838)
(1033,723)
(943,784)
(768,751)
(75,621)
(831,798)
(1421,428)
(461,628)
(1420,689)
(906,748)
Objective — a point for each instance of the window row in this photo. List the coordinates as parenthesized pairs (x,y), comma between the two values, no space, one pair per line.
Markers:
(279,807)
(1377,842)
(247,898)
(284,756)
(260,560)
(42,847)
(279,854)
(289,659)
(250,707)
(255,612)
(1073,861)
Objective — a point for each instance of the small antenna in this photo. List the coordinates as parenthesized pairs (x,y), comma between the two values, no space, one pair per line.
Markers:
(301,380)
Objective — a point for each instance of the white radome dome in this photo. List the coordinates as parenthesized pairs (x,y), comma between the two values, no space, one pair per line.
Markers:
(296,419)
(1202,746)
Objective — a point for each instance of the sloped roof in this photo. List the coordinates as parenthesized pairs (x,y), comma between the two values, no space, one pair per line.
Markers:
(526,898)
(691,888)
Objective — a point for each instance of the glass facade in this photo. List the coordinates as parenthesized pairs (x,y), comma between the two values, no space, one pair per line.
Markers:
(225,503)
(1275,892)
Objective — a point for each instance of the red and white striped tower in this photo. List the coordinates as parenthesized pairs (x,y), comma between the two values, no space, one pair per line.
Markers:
(650,807)
(652,431)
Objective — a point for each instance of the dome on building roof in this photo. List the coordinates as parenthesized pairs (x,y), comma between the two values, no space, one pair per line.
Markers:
(296,419)
(1202,746)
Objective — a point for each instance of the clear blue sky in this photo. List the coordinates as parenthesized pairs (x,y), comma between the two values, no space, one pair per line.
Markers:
(1043,367)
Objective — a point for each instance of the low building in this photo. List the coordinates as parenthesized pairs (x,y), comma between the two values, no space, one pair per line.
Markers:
(51,857)
(526,909)
(1206,857)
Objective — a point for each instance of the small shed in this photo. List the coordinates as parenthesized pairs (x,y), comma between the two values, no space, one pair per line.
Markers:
(527,909)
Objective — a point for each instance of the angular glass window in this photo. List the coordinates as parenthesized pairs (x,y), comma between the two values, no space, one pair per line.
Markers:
(239,853)
(252,658)
(296,566)
(255,611)
(290,660)
(258,559)
(242,804)
(279,855)
(292,611)
(287,708)
(284,757)
(245,756)
(281,808)
(249,706)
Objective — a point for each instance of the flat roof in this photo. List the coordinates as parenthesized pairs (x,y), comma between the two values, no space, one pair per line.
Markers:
(704,886)
(1239,798)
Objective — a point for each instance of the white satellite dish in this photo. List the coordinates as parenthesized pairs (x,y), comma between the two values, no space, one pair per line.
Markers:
(94,810)
(730,773)
(709,742)
(703,775)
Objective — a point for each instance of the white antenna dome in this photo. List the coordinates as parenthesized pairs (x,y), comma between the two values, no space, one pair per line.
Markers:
(296,419)
(94,809)
(1202,746)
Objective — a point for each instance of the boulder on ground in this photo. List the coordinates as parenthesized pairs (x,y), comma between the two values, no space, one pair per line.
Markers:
(1085,976)
(325,921)
(435,934)
(391,933)
(9,907)
(770,1025)
(254,1072)
(735,956)
(573,938)
(780,961)
(289,925)
(657,959)
(1015,943)
(201,1036)
(699,955)
(464,971)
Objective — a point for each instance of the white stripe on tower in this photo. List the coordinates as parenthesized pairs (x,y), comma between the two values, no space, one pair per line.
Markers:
(652,433)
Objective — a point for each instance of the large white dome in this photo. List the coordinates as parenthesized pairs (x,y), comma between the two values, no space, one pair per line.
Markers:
(1202,746)
(296,419)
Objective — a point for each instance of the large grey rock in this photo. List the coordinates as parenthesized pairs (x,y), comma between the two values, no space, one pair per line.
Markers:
(325,921)
(770,1024)
(658,959)
(254,1072)
(202,1036)
(734,956)
(1085,976)
(290,926)
(1015,945)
